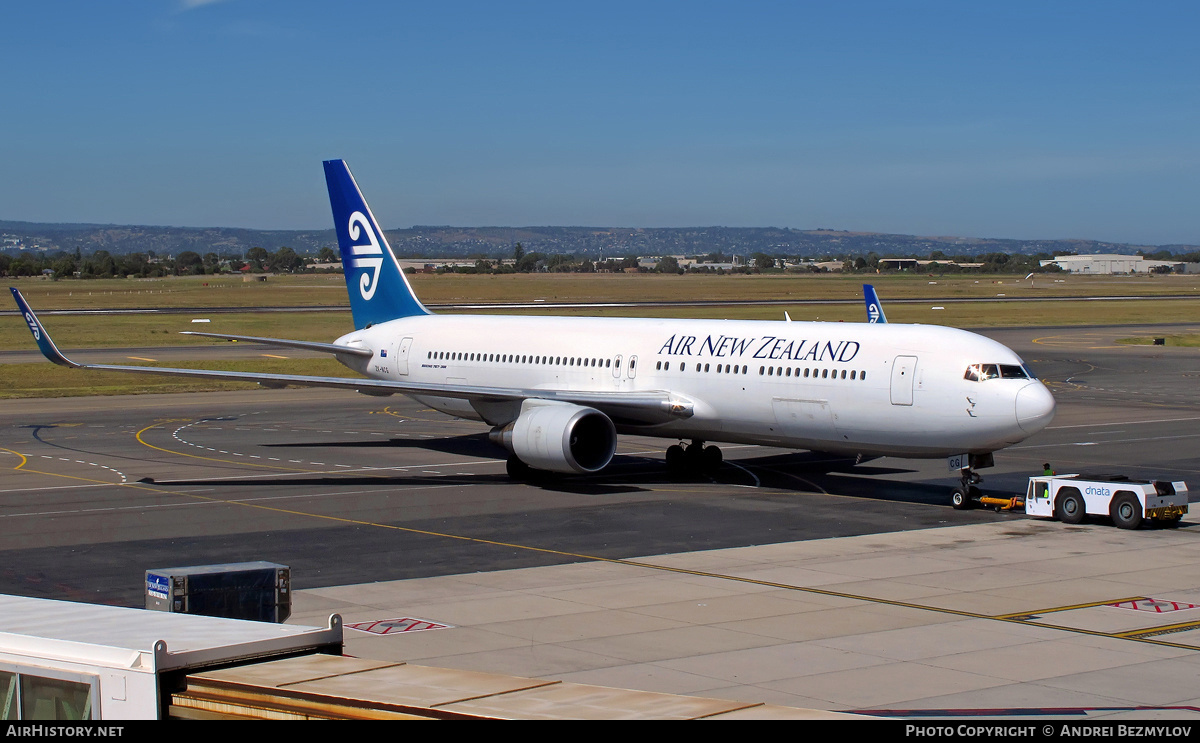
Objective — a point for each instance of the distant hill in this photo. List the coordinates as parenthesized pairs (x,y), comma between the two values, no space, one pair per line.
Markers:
(495,242)
(121,239)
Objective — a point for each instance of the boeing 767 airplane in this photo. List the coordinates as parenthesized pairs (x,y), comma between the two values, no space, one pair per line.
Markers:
(557,390)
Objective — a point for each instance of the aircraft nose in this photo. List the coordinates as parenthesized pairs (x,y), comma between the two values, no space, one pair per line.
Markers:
(1035,407)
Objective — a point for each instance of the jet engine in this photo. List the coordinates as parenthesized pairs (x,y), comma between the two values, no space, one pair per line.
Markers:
(559,437)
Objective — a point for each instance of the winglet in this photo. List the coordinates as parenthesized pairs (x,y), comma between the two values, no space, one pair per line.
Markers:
(48,349)
(874,308)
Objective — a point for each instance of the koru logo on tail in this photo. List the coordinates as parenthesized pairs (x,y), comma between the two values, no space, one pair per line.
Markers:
(367,282)
(873,312)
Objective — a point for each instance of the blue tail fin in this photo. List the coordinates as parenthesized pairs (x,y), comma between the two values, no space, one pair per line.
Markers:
(379,290)
(874,308)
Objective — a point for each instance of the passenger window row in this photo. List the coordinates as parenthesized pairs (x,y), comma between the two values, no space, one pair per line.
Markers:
(501,358)
(786,371)
(717,368)
(770,371)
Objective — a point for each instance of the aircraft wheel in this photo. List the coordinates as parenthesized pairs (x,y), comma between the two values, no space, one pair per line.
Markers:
(1069,506)
(960,499)
(676,457)
(1125,510)
(517,469)
(711,459)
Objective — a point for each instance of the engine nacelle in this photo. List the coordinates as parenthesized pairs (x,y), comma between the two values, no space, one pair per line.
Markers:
(559,437)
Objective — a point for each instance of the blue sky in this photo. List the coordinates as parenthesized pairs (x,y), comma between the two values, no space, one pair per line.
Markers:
(1016,119)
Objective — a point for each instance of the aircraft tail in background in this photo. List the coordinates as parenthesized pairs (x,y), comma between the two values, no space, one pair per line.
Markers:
(874,308)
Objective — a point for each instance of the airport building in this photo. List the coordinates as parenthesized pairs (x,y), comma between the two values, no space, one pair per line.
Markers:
(1113,264)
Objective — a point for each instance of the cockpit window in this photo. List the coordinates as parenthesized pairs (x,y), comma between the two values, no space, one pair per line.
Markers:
(1013,372)
(982,372)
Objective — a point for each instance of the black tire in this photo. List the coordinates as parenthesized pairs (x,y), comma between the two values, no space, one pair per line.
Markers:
(711,459)
(676,458)
(1125,510)
(1069,506)
(517,469)
(960,499)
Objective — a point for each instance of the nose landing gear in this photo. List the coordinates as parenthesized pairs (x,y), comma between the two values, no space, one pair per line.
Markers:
(967,494)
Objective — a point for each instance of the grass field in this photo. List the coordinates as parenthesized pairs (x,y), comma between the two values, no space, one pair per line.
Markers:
(330,289)
(76,331)
(125,331)
(48,380)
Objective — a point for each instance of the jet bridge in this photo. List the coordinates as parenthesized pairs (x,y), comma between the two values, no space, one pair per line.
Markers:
(61,660)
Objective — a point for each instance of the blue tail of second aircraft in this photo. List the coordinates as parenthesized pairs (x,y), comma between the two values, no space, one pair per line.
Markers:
(874,308)
(379,290)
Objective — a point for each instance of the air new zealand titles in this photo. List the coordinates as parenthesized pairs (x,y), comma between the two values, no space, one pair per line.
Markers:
(769,347)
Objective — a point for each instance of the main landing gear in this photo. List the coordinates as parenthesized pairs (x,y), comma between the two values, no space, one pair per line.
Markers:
(695,457)
(517,469)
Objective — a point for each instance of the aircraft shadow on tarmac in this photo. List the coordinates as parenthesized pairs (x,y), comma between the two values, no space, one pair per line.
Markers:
(478,445)
(778,474)
(469,445)
(404,481)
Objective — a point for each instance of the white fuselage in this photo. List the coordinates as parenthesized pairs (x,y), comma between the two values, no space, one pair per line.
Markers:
(849,388)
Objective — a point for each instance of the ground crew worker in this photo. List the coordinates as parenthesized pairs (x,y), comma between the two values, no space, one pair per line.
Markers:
(1046,472)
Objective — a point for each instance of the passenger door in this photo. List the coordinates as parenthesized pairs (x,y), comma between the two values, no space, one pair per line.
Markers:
(903,375)
(400,363)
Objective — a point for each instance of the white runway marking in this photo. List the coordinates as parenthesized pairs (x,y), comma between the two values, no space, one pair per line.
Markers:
(116,472)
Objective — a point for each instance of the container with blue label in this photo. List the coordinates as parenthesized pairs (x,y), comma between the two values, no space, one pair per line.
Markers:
(258,591)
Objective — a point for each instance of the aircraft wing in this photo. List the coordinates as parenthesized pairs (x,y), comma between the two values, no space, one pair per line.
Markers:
(646,406)
(285,343)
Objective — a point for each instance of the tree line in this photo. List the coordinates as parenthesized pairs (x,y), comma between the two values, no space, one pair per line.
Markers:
(102,264)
